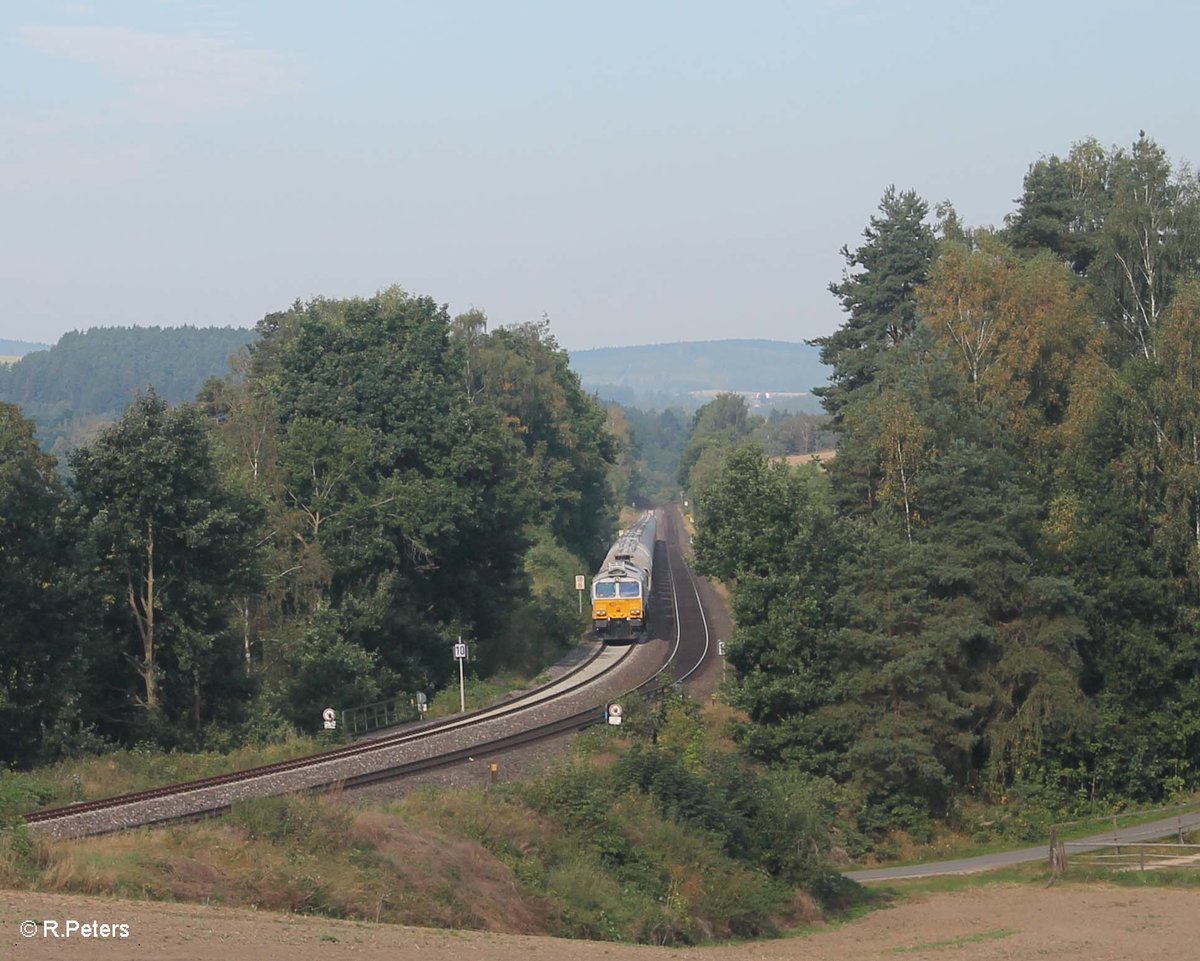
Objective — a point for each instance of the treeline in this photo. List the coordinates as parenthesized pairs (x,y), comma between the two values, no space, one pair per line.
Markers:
(381,480)
(84,381)
(993,589)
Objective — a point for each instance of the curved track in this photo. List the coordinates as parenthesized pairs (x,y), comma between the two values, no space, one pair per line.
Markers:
(570,703)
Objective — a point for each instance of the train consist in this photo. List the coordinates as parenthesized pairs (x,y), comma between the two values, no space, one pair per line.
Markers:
(621,588)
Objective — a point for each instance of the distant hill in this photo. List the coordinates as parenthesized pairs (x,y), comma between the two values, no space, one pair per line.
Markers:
(87,379)
(689,373)
(19,348)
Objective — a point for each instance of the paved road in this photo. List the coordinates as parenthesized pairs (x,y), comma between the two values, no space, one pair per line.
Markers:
(1154,831)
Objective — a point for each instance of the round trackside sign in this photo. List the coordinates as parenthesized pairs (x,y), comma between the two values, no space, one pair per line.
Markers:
(614,714)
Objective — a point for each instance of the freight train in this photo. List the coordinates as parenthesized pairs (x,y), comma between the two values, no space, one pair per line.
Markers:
(621,588)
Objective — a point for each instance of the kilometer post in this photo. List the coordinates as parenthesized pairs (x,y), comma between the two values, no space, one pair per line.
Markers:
(460,655)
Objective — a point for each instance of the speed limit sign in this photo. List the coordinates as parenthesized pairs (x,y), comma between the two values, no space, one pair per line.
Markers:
(614,714)
(329,716)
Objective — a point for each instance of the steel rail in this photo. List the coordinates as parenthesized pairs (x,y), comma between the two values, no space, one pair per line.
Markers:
(648,687)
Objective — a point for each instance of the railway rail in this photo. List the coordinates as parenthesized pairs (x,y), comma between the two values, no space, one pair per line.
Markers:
(545,712)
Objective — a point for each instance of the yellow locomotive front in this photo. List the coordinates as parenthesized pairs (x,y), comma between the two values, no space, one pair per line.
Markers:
(618,607)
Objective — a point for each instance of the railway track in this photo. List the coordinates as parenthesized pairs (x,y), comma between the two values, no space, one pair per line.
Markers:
(570,703)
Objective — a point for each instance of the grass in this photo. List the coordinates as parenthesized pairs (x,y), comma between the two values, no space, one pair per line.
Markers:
(1016,874)
(454,859)
(482,692)
(1035,874)
(1188,877)
(997,935)
(587,850)
(120,772)
(952,844)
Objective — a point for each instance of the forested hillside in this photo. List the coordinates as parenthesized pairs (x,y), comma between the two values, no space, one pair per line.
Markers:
(88,378)
(19,348)
(382,479)
(992,591)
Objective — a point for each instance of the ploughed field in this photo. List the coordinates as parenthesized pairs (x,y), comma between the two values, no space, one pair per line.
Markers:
(1069,922)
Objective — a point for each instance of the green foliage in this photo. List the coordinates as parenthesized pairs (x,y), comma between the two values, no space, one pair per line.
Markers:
(718,426)
(83,382)
(777,823)
(997,597)
(657,442)
(547,619)
(41,648)
(373,481)
(317,828)
(171,543)
(522,372)
(880,298)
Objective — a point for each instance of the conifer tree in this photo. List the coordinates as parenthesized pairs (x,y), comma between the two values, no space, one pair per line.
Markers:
(878,293)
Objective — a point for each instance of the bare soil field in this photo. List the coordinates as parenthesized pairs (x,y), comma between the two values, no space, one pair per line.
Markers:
(1072,923)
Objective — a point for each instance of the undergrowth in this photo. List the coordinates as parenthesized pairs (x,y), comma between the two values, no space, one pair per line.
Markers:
(136,769)
(657,833)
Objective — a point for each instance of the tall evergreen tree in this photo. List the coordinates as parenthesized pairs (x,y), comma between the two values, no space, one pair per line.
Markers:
(878,292)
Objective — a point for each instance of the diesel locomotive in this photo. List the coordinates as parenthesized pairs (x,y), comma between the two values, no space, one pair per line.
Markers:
(621,588)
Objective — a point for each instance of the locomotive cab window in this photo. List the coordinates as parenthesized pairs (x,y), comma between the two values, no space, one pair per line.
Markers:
(604,589)
(630,589)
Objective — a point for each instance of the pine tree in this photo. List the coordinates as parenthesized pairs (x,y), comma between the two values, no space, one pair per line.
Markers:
(880,298)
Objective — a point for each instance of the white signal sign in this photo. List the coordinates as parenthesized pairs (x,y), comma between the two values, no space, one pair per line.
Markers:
(614,714)
(460,651)
(580,582)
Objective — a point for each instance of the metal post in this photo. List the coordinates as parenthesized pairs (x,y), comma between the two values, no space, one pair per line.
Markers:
(462,684)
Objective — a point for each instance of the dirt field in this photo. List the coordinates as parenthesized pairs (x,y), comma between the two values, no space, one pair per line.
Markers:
(1071,923)
(820,456)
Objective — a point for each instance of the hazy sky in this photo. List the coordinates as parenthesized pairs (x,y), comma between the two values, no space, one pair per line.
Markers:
(638,171)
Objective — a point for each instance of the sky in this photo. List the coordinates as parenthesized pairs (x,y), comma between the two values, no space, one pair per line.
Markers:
(637,172)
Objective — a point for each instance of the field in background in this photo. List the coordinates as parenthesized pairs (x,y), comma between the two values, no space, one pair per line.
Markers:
(820,456)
